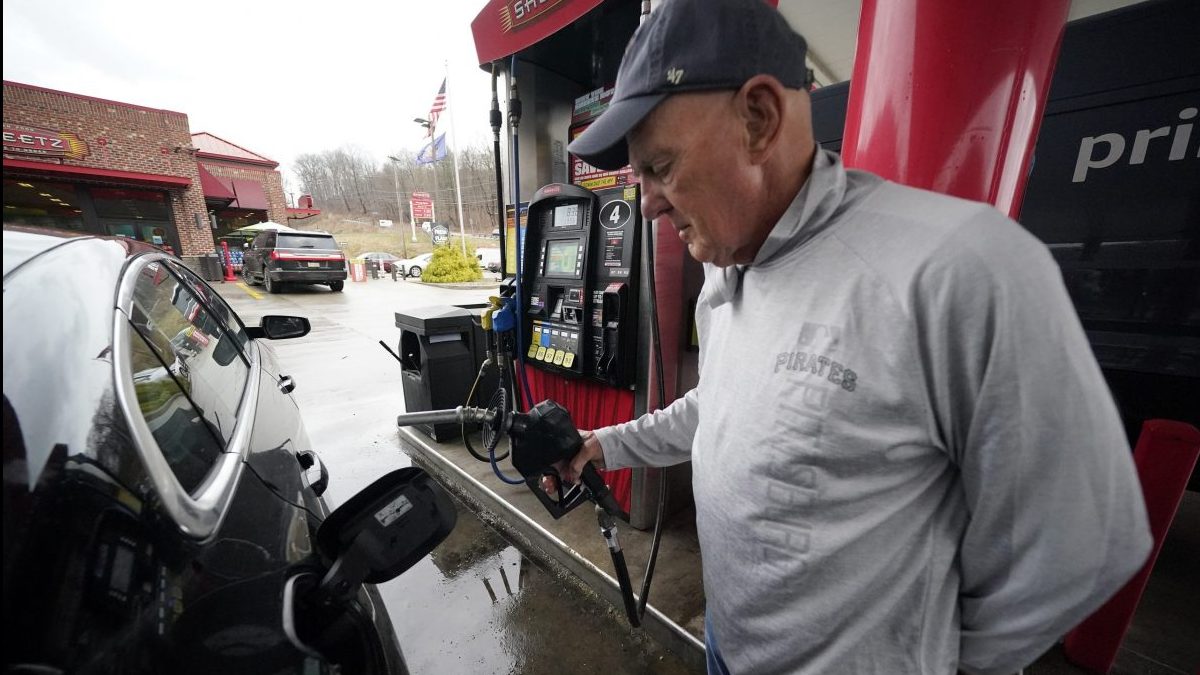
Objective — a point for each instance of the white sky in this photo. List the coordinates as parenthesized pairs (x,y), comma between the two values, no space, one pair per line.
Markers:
(278,78)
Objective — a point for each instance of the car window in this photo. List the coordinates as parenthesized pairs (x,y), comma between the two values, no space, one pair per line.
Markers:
(217,304)
(324,243)
(188,373)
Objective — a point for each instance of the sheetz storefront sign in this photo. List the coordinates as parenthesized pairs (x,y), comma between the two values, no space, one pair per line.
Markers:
(44,143)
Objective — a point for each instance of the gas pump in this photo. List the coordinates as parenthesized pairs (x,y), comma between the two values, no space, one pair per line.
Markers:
(582,284)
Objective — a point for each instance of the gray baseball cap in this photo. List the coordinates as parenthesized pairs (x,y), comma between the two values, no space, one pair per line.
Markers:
(692,45)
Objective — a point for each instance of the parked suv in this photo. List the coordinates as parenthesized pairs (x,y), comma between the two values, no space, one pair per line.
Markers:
(277,258)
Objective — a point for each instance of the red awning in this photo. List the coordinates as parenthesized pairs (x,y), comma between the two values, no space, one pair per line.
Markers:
(213,187)
(250,195)
(505,27)
(70,171)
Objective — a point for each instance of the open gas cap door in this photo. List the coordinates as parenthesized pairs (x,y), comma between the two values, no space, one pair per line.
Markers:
(383,530)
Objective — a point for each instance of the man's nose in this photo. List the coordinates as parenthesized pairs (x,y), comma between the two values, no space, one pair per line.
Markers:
(653,201)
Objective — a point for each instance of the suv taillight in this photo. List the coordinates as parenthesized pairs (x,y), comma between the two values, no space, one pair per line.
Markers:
(274,255)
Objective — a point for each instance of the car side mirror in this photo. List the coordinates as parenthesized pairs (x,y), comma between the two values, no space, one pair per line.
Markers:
(383,530)
(275,327)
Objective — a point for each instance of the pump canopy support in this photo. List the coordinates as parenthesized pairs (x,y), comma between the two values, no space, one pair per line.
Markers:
(949,95)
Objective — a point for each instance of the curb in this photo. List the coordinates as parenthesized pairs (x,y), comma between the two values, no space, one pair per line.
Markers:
(463,286)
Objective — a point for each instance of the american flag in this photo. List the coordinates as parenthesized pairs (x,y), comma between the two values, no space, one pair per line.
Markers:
(439,104)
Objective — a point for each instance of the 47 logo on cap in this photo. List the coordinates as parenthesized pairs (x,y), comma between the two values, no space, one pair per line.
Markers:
(675,75)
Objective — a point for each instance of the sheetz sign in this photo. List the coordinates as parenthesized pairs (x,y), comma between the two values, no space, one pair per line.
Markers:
(44,143)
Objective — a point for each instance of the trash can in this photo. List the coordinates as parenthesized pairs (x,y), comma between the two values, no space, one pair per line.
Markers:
(441,350)
(211,267)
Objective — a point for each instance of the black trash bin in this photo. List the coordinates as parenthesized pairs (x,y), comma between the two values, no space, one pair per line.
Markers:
(211,266)
(441,350)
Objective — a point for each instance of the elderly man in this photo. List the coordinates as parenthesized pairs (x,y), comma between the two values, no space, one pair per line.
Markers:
(905,458)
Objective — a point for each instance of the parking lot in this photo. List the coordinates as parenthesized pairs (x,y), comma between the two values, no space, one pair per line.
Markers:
(476,604)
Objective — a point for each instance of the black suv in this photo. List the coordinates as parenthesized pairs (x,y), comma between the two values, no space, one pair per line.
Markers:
(275,258)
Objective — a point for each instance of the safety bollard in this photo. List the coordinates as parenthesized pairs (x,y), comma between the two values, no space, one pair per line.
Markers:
(228,262)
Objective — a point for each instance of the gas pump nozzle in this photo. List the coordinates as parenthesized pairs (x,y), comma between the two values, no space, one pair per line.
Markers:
(545,436)
(540,438)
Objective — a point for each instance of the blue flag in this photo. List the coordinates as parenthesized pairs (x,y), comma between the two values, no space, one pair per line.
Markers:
(434,151)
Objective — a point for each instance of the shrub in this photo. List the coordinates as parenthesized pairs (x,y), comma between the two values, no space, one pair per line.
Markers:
(450,265)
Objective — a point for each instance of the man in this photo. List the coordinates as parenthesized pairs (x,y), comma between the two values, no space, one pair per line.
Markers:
(905,458)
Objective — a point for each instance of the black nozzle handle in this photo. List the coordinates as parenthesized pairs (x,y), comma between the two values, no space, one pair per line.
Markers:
(565,503)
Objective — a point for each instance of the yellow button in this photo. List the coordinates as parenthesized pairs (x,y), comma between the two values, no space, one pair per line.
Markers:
(541,353)
(558,358)
(569,360)
(550,354)
(532,350)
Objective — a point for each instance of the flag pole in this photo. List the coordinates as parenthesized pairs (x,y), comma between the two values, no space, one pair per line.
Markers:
(462,232)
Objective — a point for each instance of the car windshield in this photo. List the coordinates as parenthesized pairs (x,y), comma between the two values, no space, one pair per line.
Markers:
(323,242)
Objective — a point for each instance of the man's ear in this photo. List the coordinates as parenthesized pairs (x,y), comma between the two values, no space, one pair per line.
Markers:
(760,103)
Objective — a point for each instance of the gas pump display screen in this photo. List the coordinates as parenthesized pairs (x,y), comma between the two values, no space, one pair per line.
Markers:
(562,257)
(566,215)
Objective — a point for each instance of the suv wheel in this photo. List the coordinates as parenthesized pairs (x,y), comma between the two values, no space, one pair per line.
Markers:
(247,276)
(336,286)
(272,286)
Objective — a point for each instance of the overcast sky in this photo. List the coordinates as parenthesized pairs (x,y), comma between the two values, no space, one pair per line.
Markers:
(278,78)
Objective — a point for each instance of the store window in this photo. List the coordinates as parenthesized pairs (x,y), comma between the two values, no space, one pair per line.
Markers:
(135,214)
(42,204)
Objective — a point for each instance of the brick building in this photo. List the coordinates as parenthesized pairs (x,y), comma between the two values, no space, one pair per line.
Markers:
(89,164)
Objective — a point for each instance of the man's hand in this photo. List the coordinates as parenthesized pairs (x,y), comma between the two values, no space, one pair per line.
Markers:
(570,471)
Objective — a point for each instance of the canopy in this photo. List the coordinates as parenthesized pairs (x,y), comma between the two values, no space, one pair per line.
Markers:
(503,27)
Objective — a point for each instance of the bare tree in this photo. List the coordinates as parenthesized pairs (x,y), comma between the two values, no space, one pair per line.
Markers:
(349,181)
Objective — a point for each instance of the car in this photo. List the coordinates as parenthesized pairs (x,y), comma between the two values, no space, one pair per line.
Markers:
(413,267)
(163,518)
(275,258)
(495,233)
(386,260)
(489,259)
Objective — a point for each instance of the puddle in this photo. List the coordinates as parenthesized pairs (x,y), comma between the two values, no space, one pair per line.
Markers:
(477,605)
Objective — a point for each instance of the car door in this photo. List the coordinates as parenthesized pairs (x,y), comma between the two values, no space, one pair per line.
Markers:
(253,256)
(220,439)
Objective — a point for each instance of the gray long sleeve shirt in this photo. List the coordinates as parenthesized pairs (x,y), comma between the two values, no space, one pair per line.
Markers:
(905,458)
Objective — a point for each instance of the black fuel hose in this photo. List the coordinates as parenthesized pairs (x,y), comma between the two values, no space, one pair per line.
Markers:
(656,339)
(497,121)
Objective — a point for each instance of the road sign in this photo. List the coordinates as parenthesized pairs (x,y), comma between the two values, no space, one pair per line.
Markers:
(422,206)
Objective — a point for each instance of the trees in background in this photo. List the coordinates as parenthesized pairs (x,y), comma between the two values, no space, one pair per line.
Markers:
(348,180)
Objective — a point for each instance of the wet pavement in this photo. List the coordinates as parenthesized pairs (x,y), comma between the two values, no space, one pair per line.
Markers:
(476,605)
